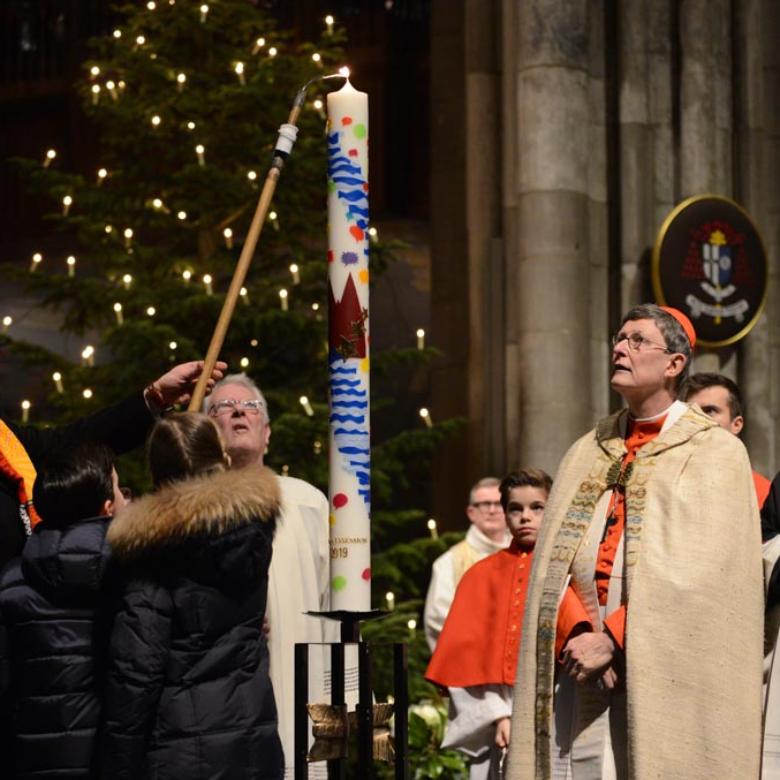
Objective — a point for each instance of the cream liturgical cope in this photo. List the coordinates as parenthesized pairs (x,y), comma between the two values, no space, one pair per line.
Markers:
(692,582)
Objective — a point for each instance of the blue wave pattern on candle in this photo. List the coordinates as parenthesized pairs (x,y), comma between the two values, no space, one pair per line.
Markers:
(353,443)
(350,183)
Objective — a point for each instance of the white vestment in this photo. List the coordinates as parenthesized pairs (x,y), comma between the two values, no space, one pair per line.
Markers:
(298,582)
(441,590)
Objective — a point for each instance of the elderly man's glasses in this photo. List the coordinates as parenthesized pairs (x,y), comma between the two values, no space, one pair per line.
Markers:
(486,506)
(230,405)
(637,342)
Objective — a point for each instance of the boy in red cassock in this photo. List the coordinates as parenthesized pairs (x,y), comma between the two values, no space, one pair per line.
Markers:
(476,657)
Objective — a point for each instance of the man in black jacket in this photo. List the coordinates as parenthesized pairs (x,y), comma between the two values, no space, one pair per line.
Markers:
(122,427)
(53,628)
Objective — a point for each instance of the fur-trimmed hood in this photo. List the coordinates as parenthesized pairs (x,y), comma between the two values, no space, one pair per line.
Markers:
(200,524)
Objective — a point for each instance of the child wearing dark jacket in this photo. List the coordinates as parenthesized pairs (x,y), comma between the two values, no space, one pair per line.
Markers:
(52,621)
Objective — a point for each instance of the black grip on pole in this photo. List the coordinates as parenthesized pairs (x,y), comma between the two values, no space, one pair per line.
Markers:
(301,743)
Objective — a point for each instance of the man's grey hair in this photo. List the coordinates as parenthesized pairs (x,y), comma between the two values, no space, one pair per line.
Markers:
(238,379)
(483,483)
(674,336)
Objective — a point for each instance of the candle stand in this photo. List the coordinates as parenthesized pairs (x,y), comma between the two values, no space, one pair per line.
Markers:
(366,713)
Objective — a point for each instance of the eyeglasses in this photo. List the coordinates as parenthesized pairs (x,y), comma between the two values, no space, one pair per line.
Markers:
(230,405)
(486,506)
(637,342)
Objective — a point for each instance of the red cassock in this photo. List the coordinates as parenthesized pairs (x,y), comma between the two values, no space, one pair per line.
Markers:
(481,636)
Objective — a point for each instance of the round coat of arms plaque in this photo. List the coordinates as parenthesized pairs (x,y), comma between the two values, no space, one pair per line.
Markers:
(709,261)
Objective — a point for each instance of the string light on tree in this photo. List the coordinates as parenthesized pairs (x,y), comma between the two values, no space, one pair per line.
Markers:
(140,40)
(181,215)
(239,70)
(274,219)
(373,235)
(190,125)
(7,322)
(181,79)
(304,401)
(204,12)
(150,311)
(49,158)
(295,271)
(317,58)
(329,22)
(252,176)
(273,51)
(254,342)
(118,312)
(109,229)
(207,281)
(319,107)
(26,411)
(111,87)
(67,202)
(200,150)
(244,362)
(37,259)
(228,235)
(420,338)
(87,393)
(127,280)
(172,345)
(411,625)
(88,355)
(71,263)
(315,307)
(102,174)
(390,600)
(317,448)
(151,5)
(283,299)
(432,528)
(186,274)
(156,120)
(94,71)
(57,377)
(244,293)
(259,43)
(117,33)
(426,417)
(95,89)
(128,234)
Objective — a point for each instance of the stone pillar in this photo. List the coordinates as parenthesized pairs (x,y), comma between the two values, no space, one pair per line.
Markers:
(547,262)
(705,112)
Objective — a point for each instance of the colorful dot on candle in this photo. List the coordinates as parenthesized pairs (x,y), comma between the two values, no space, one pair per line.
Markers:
(340,500)
(330,255)
(332,518)
(349,258)
(338,583)
(360,131)
(353,152)
(346,120)
(364,365)
(357,233)
(363,276)
(366,575)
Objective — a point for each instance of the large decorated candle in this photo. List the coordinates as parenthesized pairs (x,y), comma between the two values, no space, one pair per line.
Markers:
(350,446)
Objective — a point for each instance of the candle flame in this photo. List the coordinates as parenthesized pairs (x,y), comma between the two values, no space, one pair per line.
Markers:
(344,72)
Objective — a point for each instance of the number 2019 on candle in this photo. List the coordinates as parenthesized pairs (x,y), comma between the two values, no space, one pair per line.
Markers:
(339,552)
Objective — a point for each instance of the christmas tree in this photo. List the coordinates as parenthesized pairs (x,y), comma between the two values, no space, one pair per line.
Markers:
(187,99)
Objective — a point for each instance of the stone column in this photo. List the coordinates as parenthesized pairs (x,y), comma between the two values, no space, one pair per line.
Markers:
(705,112)
(547,263)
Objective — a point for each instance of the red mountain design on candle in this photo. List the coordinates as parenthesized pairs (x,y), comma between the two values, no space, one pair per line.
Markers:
(347,322)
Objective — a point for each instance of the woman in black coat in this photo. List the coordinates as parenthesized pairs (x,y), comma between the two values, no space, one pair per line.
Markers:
(188,693)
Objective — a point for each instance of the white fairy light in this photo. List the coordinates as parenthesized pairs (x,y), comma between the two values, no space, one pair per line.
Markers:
(7,322)
(117,33)
(88,355)
(172,345)
(67,202)
(207,281)
(239,70)
(87,393)
(204,11)
(182,215)
(296,276)
(244,293)
(228,235)
(200,150)
(420,338)
(316,57)
(329,21)
(127,281)
(259,43)
(118,312)
(304,401)
(186,275)
(251,175)
(71,263)
(244,362)
(94,71)
(426,417)
(49,158)
(140,40)
(37,259)
(283,295)
(190,125)
(111,87)
(273,51)
(26,411)
(128,234)
(57,377)
(151,311)
(101,175)
(155,120)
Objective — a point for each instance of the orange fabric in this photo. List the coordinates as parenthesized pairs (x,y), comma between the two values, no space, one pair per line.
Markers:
(639,434)
(15,463)
(571,615)
(480,640)
(762,486)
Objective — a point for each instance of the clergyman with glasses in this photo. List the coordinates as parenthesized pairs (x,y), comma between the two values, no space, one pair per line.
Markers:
(299,577)
(486,535)
(642,639)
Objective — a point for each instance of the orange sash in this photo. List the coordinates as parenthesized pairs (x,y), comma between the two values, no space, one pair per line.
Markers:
(16,465)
